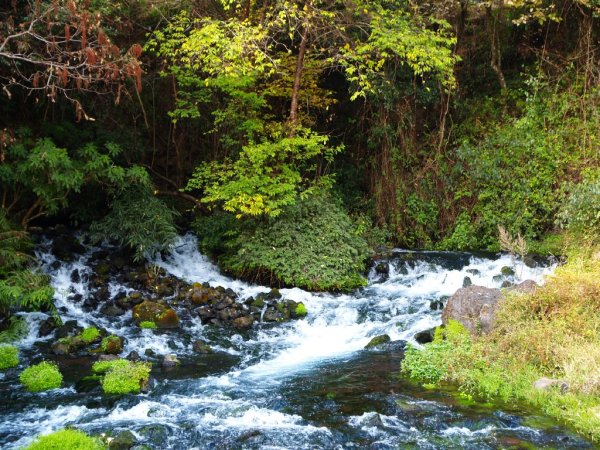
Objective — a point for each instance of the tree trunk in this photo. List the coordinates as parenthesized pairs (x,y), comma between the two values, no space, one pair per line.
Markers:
(496,57)
(298,76)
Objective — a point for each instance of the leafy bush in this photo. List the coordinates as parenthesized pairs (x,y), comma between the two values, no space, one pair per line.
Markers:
(9,356)
(122,376)
(312,245)
(41,377)
(580,213)
(139,221)
(66,440)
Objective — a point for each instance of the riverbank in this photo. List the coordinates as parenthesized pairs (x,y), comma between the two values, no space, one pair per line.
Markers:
(550,333)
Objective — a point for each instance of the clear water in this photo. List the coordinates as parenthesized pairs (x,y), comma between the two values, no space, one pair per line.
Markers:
(303,384)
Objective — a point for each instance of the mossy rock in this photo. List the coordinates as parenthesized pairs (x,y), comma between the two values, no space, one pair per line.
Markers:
(9,356)
(41,377)
(113,345)
(507,271)
(161,315)
(147,325)
(122,376)
(300,310)
(90,335)
(378,340)
(66,440)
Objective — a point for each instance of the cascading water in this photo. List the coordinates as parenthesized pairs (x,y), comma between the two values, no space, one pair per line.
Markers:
(302,384)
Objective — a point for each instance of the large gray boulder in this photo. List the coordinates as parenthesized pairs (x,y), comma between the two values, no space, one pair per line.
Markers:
(475,306)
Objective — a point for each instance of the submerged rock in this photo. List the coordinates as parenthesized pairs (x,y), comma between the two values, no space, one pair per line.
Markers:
(425,336)
(125,440)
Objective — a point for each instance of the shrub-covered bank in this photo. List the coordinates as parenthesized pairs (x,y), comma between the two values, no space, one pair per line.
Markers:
(551,333)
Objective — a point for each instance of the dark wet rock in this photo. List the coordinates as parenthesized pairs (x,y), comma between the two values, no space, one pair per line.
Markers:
(474,307)
(133,356)
(88,383)
(498,278)
(66,247)
(394,346)
(61,348)
(382,268)
(506,284)
(123,441)
(170,361)
(467,282)
(162,315)
(150,353)
(68,328)
(378,341)
(475,272)
(425,336)
(75,277)
(201,347)
(436,305)
(48,326)
(111,310)
(272,315)
(76,298)
(243,322)
(108,358)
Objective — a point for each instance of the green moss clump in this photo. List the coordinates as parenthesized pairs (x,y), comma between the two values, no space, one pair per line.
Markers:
(148,325)
(66,440)
(41,377)
(122,376)
(300,310)
(9,356)
(90,335)
(112,344)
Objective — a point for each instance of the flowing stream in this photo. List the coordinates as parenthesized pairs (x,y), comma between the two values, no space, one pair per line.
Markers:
(301,384)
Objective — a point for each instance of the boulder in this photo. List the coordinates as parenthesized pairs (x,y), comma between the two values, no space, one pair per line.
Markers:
(243,322)
(160,314)
(474,307)
(544,384)
(425,336)
(201,347)
(170,361)
(123,441)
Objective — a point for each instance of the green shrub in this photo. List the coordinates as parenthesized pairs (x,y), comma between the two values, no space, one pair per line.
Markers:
(66,440)
(300,310)
(147,325)
(15,330)
(311,244)
(90,334)
(41,377)
(580,213)
(138,220)
(122,376)
(9,356)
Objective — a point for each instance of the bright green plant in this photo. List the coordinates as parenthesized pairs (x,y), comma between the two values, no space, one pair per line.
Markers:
(41,377)
(25,290)
(9,356)
(90,335)
(147,325)
(122,376)
(67,439)
(300,310)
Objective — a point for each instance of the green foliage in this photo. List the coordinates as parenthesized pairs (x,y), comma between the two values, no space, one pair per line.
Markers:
(429,365)
(14,329)
(41,377)
(311,244)
(138,220)
(122,376)
(9,356)
(13,246)
(267,176)
(25,290)
(147,325)
(67,439)
(580,213)
(46,175)
(90,335)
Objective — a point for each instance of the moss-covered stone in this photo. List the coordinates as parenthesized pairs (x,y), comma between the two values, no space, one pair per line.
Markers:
(122,376)
(66,440)
(300,310)
(41,377)
(147,325)
(160,314)
(90,335)
(113,345)
(9,356)
(378,340)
